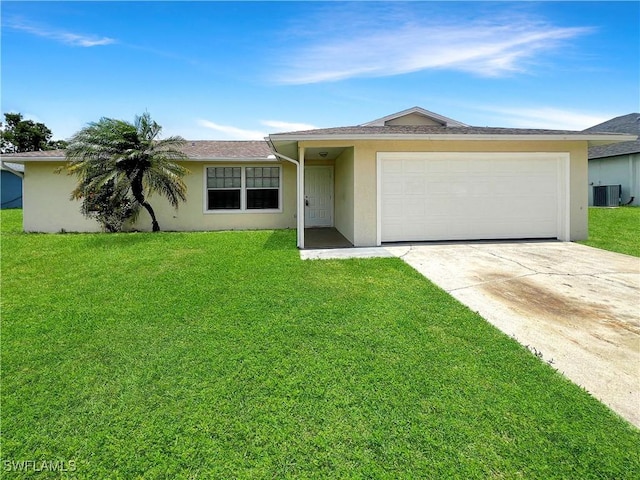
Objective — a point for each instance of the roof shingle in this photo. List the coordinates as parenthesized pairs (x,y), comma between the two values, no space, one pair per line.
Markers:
(428,130)
(194,149)
(629,123)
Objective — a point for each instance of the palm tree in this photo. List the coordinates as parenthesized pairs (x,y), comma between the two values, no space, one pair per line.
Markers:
(130,159)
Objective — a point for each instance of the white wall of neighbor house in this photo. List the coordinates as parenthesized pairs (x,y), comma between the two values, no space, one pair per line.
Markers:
(622,170)
(48,208)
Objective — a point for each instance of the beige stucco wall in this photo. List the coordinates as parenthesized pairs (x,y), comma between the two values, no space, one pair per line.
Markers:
(365,175)
(344,194)
(47,207)
(46,201)
(191,215)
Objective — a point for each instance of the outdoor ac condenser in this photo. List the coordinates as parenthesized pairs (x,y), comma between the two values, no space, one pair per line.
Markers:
(607,195)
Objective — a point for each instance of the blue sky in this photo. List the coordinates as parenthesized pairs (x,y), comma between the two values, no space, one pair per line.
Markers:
(240,70)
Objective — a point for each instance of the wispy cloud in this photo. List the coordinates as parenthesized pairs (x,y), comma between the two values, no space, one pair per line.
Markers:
(546,117)
(287,126)
(380,46)
(62,36)
(237,133)
(233,132)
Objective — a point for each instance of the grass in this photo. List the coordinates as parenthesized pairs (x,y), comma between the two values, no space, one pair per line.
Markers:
(223,355)
(615,229)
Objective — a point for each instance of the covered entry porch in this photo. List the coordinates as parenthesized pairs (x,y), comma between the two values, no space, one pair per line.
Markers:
(325,193)
(325,237)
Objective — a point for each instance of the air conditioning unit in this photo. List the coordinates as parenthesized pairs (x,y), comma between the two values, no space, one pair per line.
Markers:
(607,195)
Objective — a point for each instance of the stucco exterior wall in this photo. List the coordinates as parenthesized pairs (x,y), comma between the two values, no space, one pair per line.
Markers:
(365,176)
(622,170)
(46,203)
(47,207)
(191,215)
(344,194)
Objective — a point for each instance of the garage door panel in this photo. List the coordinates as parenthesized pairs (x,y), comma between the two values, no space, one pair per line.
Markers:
(478,197)
(393,209)
(414,186)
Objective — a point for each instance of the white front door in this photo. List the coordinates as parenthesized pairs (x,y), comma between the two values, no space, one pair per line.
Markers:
(318,196)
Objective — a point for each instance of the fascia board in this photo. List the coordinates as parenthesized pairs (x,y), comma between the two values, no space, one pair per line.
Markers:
(228,159)
(567,137)
(22,160)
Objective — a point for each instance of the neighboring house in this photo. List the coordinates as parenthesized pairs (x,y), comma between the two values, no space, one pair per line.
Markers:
(411,176)
(618,163)
(11,185)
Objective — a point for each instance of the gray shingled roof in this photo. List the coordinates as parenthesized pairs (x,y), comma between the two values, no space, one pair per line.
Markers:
(40,154)
(211,149)
(613,150)
(194,149)
(427,130)
(445,121)
(629,123)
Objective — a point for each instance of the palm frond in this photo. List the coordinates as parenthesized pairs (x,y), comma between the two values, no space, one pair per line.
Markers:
(130,158)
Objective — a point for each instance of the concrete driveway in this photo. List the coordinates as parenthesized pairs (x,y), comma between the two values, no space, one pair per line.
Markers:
(576,307)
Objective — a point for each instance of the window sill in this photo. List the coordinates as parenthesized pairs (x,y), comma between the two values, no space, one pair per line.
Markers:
(243,212)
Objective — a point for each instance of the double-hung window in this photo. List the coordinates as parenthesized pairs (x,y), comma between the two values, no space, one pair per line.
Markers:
(243,188)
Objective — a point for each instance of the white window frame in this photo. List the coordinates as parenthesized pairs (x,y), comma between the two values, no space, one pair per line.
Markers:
(243,189)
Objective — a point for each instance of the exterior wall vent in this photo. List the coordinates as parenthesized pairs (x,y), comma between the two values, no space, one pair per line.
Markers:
(607,195)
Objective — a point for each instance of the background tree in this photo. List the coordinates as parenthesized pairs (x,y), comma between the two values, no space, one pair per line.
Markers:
(19,135)
(129,159)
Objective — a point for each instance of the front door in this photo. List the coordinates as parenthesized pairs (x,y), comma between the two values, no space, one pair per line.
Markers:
(318,196)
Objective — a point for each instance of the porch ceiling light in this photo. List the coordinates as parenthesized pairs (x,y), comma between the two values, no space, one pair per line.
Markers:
(323,154)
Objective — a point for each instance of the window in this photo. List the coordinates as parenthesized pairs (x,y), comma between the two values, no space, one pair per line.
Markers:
(243,188)
(223,188)
(263,184)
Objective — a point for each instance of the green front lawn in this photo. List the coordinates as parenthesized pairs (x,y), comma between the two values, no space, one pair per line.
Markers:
(615,229)
(223,355)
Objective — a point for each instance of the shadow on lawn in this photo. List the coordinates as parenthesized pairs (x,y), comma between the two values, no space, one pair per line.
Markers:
(281,240)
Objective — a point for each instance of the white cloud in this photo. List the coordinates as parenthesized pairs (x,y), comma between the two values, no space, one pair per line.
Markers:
(547,118)
(234,133)
(68,38)
(287,126)
(380,47)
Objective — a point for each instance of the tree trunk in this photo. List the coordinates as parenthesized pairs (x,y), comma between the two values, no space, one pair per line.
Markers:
(136,189)
(154,222)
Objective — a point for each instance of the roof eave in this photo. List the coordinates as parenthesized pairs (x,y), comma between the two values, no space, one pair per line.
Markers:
(22,160)
(229,159)
(594,139)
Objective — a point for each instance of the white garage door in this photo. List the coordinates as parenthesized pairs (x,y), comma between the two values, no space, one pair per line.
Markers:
(470,196)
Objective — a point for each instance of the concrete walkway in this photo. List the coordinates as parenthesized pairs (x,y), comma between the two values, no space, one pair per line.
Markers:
(576,307)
